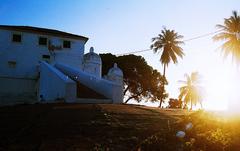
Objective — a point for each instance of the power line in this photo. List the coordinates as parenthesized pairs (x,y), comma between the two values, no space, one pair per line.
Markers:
(133,52)
(201,36)
(190,39)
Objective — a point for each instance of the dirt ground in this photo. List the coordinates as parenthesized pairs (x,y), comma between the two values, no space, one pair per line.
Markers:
(77,127)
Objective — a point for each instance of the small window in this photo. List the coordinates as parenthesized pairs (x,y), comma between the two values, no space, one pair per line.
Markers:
(42,41)
(46,58)
(16,38)
(12,64)
(66,44)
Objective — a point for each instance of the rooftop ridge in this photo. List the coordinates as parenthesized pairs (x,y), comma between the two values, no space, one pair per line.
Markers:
(46,31)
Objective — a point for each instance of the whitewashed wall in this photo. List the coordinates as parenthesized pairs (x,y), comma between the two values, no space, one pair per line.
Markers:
(12,91)
(93,67)
(55,85)
(109,89)
(27,55)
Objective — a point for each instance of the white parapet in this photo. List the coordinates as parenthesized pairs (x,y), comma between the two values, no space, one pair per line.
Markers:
(54,85)
(111,90)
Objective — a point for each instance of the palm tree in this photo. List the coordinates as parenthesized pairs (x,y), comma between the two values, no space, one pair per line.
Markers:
(168,44)
(191,91)
(230,34)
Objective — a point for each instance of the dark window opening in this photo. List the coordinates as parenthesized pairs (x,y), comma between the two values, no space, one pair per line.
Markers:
(42,41)
(17,38)
(12,64)
(66,44)
(45,56)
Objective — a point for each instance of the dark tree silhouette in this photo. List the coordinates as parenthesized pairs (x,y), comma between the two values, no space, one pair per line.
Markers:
(108,60)
(141,81)
(168,44)
(230,34)
(174,103)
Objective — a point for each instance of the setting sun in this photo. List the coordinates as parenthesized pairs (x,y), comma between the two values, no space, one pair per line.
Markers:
(221,88)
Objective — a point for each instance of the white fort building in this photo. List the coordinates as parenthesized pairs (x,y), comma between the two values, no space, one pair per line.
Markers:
(45,65)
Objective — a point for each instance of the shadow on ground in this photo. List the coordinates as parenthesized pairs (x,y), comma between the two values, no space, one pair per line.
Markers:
(59,127)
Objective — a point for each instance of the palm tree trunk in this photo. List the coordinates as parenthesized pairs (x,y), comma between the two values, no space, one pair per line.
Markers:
(164,72)
(191,105)
(200,102)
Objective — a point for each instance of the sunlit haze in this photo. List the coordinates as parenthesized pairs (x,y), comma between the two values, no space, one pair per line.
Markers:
(123,26)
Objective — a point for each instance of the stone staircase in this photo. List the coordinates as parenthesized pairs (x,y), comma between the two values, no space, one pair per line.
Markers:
(85,92)
(86,95)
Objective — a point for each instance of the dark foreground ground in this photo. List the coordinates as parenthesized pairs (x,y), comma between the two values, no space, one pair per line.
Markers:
(77,127)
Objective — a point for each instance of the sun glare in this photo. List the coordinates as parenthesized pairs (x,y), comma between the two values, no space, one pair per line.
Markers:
(222,87)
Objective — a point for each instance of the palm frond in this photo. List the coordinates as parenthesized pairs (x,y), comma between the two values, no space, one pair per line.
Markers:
(231,45)
(168,43)
(191,91)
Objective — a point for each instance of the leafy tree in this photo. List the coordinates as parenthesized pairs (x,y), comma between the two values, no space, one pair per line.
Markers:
(191,91)
(230,34)
(168,44)
(107,62)
(141,81)
(174,103)
(155,87)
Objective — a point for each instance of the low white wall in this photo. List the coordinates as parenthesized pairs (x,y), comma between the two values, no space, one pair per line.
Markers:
(55,85)
(109,89)
(17,86)
(17,90)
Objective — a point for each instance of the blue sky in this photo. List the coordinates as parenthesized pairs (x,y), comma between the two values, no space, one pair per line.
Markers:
(119,26)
